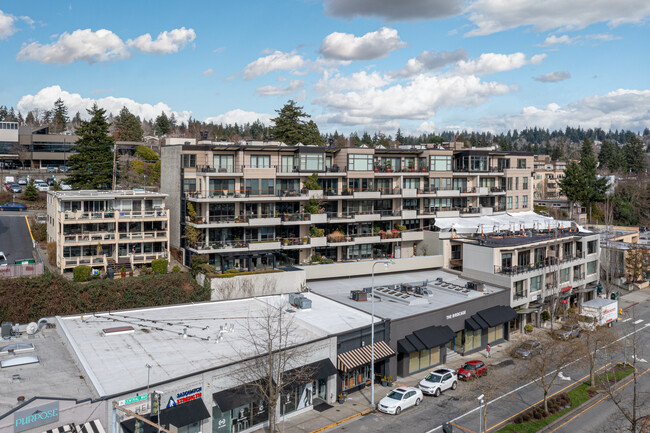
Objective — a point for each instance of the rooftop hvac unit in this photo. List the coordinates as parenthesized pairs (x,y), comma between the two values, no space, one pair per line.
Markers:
(472,285)
(293,297)
(359,295)
(6,330)
(303,303)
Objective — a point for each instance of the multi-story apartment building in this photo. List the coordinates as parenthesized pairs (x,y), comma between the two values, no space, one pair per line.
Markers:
(254,208)
(547,176)
(107,228)
(540,266)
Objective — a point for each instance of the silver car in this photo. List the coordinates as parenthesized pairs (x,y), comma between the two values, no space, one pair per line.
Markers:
(438,381)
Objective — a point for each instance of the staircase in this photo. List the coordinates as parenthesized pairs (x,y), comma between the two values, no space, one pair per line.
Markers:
(117,266)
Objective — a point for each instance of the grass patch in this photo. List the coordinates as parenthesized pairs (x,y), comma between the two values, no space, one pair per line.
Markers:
(578,395)
(614,375)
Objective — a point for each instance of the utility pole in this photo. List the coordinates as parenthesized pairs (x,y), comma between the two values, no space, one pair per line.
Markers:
(117,407)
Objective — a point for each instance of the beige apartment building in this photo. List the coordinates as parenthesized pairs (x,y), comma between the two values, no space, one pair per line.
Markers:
(105,229)
(547,176)
(254,210)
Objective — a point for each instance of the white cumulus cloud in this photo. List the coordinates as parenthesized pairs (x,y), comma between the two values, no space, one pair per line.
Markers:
(240,116)
(557,40)
(553,77)
(102,46)
(278,60)
(429,61)
(357,80)
(490,63)
(44,100)
(373,45)
(6,25)
(392,10)
(293,86)
(166,42)
(620,109)
(491,16)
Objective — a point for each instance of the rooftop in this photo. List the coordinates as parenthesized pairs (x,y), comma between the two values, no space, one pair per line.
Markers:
(56,374)
(391,303)
(106,194)
(525,238)
(115,360)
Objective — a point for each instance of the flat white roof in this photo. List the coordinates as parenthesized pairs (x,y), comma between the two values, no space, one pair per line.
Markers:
(338,289)
(106,194)
(116,362)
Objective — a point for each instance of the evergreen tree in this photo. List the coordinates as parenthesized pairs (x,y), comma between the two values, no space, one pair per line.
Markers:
(59,117)
(128,127)
(312,135)
(634,155)
(30,120)
(31,193)
(607,158)
(161,125)
(399,137)
(92,166)
(594,187)
(292,128)
(572,184)
(556,153)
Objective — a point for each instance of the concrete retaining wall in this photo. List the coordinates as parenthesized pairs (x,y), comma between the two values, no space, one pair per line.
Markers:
(247,286)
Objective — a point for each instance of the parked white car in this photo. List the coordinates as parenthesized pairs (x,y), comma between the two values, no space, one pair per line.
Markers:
(399,399)
(438,381)
(42,186)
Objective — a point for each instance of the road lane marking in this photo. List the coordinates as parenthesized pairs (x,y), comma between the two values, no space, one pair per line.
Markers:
(561,376)
(627,320)
(638,321)
(604,398)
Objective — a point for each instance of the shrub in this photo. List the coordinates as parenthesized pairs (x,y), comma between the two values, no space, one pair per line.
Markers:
(159,265)
(196,260)
(546,315)
(311,206)
(312,182)
(176,269)
(51,253)
(31,193)
(528,328)
(232,271)
(82,273)
(518,420)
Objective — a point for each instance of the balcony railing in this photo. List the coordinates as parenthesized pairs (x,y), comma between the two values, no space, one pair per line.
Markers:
(548,261)
(220,169)
(497,189)
(88,237)
(110,214)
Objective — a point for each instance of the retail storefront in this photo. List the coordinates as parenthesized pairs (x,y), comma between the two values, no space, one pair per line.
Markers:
(354,365)
(489,326)
(187,417)
(422,349)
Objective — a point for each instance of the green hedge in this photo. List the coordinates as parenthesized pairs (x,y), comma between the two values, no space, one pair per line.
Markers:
(160,266)
(82,273)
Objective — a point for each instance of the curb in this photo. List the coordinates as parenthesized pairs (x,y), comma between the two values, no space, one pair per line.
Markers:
(571,412)
(341,421)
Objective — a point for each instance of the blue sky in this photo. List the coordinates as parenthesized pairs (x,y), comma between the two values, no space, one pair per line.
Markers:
(355,65)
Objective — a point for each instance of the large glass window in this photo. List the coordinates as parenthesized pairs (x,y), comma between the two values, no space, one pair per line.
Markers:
(591,268)
(260,161)
(393,164)
(495,333)
(565,275)
(189,161)
(521,163)
(506,260)
(441,184)
(536,283)
(411,183)
(356,377)
(222,186)
(440,163)
(288,164)
(423,359)
(591,247)
(224,163)
(358,162)
(312,161)
(479,163)
(472,339)
(520,289)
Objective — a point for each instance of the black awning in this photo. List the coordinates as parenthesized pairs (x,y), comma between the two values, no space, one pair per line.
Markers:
(415,342)
(316,370)
(235,397)
(496,315)
(435,336)
(185,414)
(426,338)
(471,324)
(403,346)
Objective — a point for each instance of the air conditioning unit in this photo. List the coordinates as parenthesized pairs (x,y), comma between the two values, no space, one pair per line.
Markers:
(303,303)
(359,295)
(471,285)
(6,330)
(293,297)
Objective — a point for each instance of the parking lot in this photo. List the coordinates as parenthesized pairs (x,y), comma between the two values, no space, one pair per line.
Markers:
(15,240)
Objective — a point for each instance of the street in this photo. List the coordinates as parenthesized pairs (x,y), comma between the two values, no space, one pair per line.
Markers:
(460,407)
(15,240)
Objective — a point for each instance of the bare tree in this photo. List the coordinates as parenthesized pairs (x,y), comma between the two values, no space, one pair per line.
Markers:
(633,403)
(18,149)
(494,384)
(277,361)
(596,345)
(544,368)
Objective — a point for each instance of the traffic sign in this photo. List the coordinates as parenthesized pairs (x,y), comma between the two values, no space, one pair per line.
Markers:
(135,399)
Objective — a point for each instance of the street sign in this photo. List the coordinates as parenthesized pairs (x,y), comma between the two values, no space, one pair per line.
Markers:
(135,399)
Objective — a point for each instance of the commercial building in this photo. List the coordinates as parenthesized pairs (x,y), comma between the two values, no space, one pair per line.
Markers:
(539,259)
(105,229)
(434,315)
(256,205)
(8,142)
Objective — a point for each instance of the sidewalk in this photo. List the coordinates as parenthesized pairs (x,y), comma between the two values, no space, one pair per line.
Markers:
(358,403)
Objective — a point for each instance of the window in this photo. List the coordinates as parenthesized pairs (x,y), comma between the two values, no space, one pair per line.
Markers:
(516,202)
(287,164)
(523,258)
(312,161)
(472,339)
(524,183)
(516,183)
(503,163)
(411,183)
(455,252)
(356,377)
(509,202)
(521,163)
(222,186)
(442,184)
(519,289)
(479,163)
(567,249)
(565,275)
(506,260)
(440,163)
(495,333)
(535,283)
(260,161)
(224,163)
(189,161)
(460,184)
(591,267)
(540,255)
(591,247)
(524,201)
(360,162)
(189,185)
(509,184)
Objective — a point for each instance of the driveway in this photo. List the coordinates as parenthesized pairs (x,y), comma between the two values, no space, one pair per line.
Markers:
(15,240)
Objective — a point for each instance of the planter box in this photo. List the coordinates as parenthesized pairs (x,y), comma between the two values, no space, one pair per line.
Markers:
(318,242)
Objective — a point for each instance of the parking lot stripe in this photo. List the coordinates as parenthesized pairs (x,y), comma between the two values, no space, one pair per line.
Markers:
(29,229)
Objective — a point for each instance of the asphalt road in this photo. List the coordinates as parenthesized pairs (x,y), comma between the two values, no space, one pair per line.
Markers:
(461,406)
(15,240)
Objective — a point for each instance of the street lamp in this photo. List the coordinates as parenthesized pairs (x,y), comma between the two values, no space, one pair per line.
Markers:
(148,372)
(372,329)
(481,402)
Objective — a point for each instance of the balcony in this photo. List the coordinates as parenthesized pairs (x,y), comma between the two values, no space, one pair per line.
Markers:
(88,238)
(230,170)
(137,214)
(497,190)
(270,244)
(69,216)
(547,262)
(160,234)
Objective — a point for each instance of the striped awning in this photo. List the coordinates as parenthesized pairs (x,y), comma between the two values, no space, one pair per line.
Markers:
(89,427)
(355,358)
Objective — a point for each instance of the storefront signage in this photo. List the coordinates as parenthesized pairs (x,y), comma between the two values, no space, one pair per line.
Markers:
(185,396)
(566,289)
(135,399)
(457,314)
(36,417)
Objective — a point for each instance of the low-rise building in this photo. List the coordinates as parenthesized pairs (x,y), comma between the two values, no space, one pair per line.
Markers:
(105,229)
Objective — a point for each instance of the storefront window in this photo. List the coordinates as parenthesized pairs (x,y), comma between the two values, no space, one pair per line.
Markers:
(356,377)
(472,339)
(423,359)
(495,333)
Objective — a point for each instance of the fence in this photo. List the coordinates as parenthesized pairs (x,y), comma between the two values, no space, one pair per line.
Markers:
(10,271)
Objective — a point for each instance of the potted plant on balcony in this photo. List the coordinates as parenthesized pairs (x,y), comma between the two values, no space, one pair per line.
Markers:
(336,236)
(382,234)
(305,240)
(388,165)
(123,272)
(411,166)
(394,233)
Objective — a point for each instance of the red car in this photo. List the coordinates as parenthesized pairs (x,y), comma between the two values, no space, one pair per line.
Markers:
(472,370)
